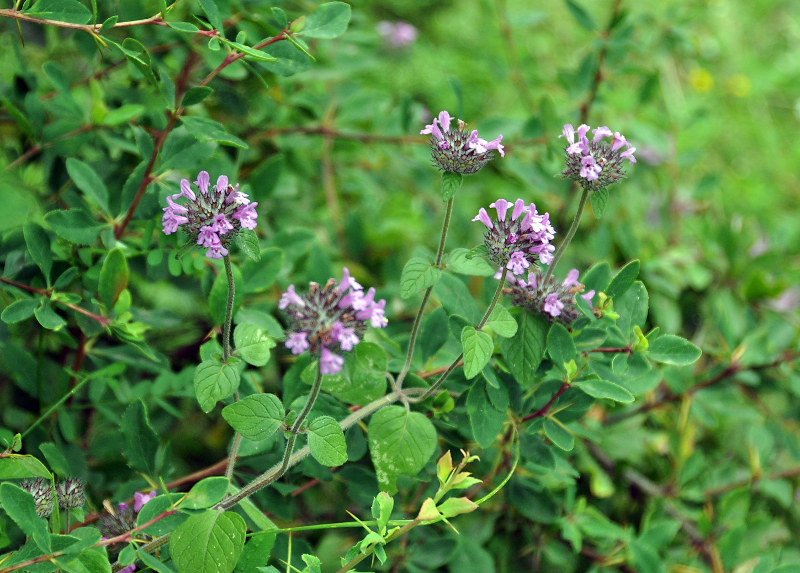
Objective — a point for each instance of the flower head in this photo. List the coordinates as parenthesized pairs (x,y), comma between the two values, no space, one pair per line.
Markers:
(212,217)
(552,299)
(42,493)
(330,319)
(397,34)
(71,493)
(457,151)
(518,240)
(595,163)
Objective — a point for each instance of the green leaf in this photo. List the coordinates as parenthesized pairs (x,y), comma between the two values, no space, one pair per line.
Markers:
(256,553)
(214,381)
(400,442)
(74,225)
(153,562)
(204,129)
(247,241)
(632,307)
(256,417)
(156,507)
(485,420)
(47,317)
(259,55)
(20,507)
(55,458)
(478,347)
(328,21)
(38,244)
(624,279)
(417,275)
(196,94)
(559,435)
(212,11)
(184,27)
(208,542)
(597,388)
(523,353)
(19,310)
(456,298)
(70,11)
(206,493)
(671,349)
(113,277)
(466,262)
(560,345)
(501,322)
(326,441)
(141,441)
(252,344)
(361,380)
(581,16)
(120,115)
(218,297)
(451,182)
(259,276)
(456,506)
(599,200)
(18,466)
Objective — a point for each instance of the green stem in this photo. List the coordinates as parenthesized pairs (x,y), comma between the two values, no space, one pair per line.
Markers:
(418,319)
(226,327)
(361,556)
(55,406)
(454,364)
(572,230)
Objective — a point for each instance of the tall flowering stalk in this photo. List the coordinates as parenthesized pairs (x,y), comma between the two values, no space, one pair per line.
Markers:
(594,165)
(330,320)
(455,150)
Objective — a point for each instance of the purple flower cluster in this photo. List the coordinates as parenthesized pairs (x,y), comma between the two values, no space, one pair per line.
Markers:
(213,216)
(124,520)
(551,299)
(457,151)
(330,318)
(595,163)
(517,240)
(397,34)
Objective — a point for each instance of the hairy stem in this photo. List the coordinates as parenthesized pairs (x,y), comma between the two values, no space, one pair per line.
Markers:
(572,230)
(226,326)
(455,363)
(418,319)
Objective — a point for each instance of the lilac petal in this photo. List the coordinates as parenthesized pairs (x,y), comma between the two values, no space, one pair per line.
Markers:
(222,183)
(519,207)
(176,207)
(601,132)
(619,141)
(186,190)
(552,305)
(568,133)
(517,263)
(587,296)
(495,144)
(298,342)
(502,206)
(140,499)
(483,217)
(216,252)
(207,237)
(582,131)
(202,181)
(330,363)
(628,154)
(444,120)
(572,278)
(290,297)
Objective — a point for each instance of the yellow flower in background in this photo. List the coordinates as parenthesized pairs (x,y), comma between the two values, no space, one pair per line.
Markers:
(739,85)
(701,80)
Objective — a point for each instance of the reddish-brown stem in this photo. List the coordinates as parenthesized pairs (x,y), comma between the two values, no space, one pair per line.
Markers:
(101,320)
(626,349)
(544,409)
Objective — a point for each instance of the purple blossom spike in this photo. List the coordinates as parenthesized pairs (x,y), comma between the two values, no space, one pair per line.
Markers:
(212,217)
(520,241)
(552,299)
(331,319)
(455,150)
(595,163)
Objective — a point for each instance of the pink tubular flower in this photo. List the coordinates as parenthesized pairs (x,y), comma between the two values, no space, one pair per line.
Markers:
(595,163)
(552,305)
(140,499)
(457,151)
(517,242)
(212,217)
(331,319)
(551,299)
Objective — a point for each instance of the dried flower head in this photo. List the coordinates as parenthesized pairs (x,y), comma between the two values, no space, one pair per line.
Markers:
(551,299)
(330,318)
(71,493)
(43,496)
(457,151)
(595,163)
(213,216)
(122,520)
(518,240)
